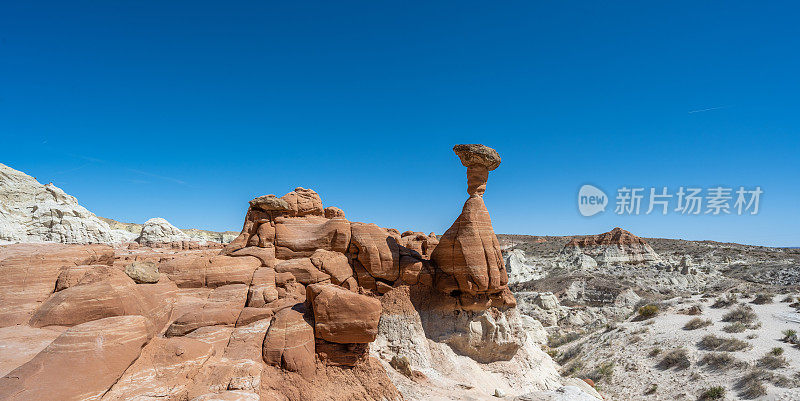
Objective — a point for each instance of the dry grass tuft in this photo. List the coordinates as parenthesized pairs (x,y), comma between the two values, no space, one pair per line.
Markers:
(697,323)
(677,358)
(714,343)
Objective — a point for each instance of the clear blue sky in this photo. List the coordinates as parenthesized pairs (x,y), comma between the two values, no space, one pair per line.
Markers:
(187,110)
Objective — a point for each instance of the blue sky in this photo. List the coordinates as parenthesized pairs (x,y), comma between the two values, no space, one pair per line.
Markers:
(187,110)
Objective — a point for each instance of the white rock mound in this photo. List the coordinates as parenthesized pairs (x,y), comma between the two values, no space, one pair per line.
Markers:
(159,231)
(32,212)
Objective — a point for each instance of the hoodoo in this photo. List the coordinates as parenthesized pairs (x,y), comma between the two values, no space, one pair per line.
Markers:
(468,253)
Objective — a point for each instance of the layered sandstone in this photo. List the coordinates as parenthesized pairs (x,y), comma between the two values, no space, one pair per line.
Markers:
(468,253)
(302,305)
(616,247)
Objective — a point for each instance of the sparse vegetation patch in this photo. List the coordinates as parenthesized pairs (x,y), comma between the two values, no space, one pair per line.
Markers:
(714,343)
(697,323)
(743,314)
(677,358)
(713,393)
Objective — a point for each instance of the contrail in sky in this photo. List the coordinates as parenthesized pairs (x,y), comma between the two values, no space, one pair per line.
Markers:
(708,109)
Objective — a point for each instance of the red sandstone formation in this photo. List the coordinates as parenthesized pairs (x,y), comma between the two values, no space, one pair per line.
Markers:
(469,253)
(285,311)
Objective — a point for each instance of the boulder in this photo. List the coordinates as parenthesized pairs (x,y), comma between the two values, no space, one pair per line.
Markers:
(262,288)
(334,264)
(479,161)
(265,255)
(192,271)
(342,316)
(303,270)
(303,202)
(301,237)
(143,272)
(270,203)
(207,316)
(82,363)
(71,275)
(377,251)
(157,231)
(333,212)
(289,343)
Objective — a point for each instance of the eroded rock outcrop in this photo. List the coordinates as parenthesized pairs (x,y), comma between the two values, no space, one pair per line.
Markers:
(32,212)
(302,305)
(616,247)
(469,253)
(158,231)
(82,363)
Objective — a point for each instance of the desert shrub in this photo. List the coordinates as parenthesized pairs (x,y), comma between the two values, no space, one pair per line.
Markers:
(677,358)
(713,393)
(720,361)
(782,381)
(743,314)
(604,371)
(736,327)
(751,385)
(572,369)
(789,298)
(557,339)
(569,354)
(696,323)
(714,343)
(654,352)
(752,336)
(651,389)
(762,299)
(772,362)
(777,351)
(726,301)
(648,311)
(789,335)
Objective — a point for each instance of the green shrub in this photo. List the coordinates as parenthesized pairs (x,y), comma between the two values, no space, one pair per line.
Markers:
(648,311)
(789,335)
(713,393)
(777,351)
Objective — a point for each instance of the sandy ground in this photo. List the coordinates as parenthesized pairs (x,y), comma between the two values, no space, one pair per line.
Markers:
(635,370)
